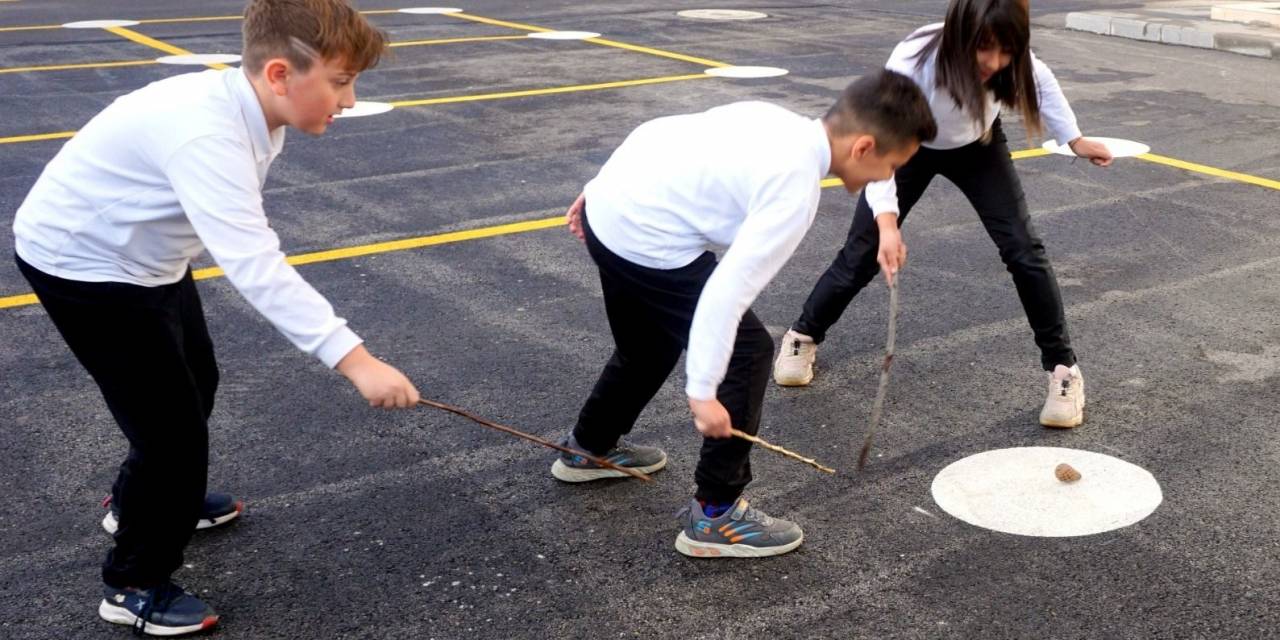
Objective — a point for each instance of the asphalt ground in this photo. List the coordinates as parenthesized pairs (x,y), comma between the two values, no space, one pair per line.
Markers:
(419,524)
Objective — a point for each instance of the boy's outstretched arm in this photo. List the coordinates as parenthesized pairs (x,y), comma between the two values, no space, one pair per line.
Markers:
(380,383)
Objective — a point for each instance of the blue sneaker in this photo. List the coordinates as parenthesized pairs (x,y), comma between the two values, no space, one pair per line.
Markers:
(741,532)
(571,468)
(166,610)
(219,509)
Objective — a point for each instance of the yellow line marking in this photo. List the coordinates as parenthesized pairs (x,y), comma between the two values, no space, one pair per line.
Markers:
(156,44)
(415,43)
(1029,153)
(83,65)
(1211,171)
(35,28)
(551,90)
(347,253)
(600,41)
(38,137)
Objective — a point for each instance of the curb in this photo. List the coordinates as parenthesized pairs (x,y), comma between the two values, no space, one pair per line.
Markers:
(1167,32)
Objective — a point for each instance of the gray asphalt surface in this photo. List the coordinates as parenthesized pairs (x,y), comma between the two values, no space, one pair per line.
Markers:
(418,524)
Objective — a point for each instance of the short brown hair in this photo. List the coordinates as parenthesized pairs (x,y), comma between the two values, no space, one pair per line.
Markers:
(886,105)
(299,30)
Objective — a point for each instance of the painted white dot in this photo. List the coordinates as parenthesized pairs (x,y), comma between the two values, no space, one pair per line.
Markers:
(1119,147)
(564,35)
(1015,491)
(431,10)
(746,72)
(363,108)
(200,58)
(99,24)
(721,14)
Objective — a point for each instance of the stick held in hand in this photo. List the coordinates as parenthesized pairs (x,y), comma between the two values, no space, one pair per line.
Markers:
(531,438)
(775,448)
(878,407)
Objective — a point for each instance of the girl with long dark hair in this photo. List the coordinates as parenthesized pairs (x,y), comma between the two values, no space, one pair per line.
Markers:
(969,66)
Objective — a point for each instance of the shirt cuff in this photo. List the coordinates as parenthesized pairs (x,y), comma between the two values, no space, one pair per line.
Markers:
(700,390)
(337,346)
(1067,135)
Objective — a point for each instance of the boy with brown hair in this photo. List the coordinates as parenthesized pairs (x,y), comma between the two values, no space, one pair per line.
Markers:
(106,237)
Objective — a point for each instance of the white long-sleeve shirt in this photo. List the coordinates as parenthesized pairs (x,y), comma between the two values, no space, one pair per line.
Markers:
(160,175)
(743,177)
(957,127)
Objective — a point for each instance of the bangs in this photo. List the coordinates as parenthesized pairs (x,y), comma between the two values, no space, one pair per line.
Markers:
(1001,27)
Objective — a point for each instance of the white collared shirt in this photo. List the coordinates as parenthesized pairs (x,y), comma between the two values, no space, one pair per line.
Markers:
(161,174)
(743,177)
(957,127)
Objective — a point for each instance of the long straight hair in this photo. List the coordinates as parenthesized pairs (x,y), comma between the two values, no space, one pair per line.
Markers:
(972,25)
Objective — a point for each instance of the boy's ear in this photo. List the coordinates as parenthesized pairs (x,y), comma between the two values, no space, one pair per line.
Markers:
(276,72)
(862,146)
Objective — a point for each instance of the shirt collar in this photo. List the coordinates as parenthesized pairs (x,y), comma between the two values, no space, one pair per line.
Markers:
(266,144)
(822,146)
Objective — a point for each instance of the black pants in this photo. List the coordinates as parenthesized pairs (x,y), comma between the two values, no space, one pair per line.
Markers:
(149,351)
(985,173)
(650,312)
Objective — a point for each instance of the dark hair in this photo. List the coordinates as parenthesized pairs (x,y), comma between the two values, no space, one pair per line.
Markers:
(972,25)
(888,106)
(301,30)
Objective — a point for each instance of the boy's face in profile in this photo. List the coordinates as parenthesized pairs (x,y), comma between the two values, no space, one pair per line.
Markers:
(865,163)
(314,97)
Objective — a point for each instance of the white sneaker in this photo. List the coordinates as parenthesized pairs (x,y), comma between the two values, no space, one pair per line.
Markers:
(794,366)
(1064,408)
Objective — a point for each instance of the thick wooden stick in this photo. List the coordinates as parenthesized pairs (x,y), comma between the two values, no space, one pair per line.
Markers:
(520,434)
(775,448)
(878,407)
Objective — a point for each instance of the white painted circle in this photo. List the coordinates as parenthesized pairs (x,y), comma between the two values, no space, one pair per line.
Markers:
(431,10)
(1016,491)
(721,14)
(363,108)
(564,35)
(1119,147)
(200,58)
(99,24)
(745,72)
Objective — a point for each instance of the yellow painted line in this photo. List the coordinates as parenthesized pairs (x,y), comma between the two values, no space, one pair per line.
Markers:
(1211,171)
(600,41)
(34,28)
(416,43)
(84,65)
(547,91)
(37,137)
(157,44)
(1029,153)
(347,253)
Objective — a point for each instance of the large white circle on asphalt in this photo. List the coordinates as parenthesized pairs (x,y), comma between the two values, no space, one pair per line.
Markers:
(99,24)
(745,72)
(1119,147)
(1016,491)
(200,58)
(564,35)
(429,10)
(363,108)
(721,14)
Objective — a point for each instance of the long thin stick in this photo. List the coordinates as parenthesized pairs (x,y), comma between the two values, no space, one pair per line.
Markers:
(790,454)
(520,434)
(878,407)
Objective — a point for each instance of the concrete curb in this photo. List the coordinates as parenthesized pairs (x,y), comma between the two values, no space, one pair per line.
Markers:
(1136,27)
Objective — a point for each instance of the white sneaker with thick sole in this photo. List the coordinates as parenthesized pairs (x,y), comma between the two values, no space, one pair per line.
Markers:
(794,366)
(1064,407)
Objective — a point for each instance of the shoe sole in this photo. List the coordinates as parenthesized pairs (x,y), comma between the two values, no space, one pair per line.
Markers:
(110,523)
(566,473)
(120,615)
(693,549)
(792,382)
(1071,423)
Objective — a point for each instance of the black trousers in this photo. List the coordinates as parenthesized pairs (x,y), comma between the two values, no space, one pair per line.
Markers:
(650,312)
(985,173)
(149,351)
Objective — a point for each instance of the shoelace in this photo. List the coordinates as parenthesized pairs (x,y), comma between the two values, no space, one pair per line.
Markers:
(158,598)
(795,347)
(1066,385)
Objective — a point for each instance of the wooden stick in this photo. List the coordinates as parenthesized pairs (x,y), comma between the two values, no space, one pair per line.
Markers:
(878,407)
(790,454)
(520,434)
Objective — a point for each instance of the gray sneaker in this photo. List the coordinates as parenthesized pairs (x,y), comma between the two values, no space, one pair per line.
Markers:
(741,532)
(571,468)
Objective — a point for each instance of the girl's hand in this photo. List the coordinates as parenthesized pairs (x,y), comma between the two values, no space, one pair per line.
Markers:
(1096,152)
